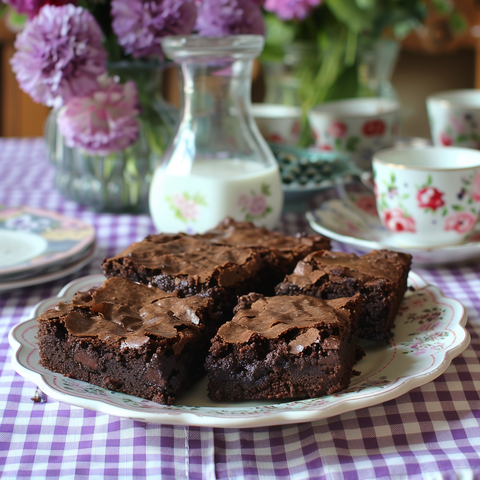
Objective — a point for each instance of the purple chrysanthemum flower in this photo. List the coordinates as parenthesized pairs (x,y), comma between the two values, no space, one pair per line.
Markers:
(59,55)
(291,9)
(141,24)
(217,18)
(104,121)
(32,7)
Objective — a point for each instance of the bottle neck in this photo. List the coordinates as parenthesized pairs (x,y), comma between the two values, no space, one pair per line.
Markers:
(216,91)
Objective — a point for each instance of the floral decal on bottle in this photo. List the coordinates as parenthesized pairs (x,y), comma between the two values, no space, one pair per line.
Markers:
(255,205)
(185,206)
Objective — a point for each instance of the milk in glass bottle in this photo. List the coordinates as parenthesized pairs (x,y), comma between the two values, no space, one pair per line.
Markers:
(218,165)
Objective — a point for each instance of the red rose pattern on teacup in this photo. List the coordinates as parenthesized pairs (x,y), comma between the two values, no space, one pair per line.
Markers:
(356,127)
(438,207)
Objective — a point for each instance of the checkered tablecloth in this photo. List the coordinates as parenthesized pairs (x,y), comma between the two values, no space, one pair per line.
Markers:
(430,432)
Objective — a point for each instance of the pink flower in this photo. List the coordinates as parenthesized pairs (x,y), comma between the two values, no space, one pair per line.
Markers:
(461,222)
(258,205)
(337,129)
(141,24)
(291,9)
(475,187)
(430,197)
(188,208)
(59,55)
(217,18)
(396,221)
(103,122)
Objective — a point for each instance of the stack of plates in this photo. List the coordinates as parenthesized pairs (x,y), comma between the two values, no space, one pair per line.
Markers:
(37,246)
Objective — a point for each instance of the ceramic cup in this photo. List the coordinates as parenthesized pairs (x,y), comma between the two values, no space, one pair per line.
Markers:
(357,127)
(428,196)
(278,123)
(454,118)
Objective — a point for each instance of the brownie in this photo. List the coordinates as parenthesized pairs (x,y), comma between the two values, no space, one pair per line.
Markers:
(130,338)
(284,347)
(191,265)
(379,276)
(288,249)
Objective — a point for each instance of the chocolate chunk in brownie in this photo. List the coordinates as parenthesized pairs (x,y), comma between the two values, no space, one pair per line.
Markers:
(284,347)
(379,276)
(130,338)
(289,249)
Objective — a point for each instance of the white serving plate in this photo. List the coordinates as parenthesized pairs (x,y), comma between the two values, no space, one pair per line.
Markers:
(429,333)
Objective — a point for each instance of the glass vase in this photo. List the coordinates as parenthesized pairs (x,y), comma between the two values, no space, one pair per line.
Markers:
(118,182)
(218,165)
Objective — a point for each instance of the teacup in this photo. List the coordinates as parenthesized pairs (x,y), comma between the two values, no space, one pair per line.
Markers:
(278,123)
(454,118)
(427,196)
(358,127)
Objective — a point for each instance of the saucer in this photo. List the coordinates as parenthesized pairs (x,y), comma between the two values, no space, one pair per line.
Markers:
(347,214)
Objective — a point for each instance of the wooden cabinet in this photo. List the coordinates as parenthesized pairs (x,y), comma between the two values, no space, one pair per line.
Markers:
(20,116)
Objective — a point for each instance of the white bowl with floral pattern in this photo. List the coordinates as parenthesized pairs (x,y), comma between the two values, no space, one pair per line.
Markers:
(277,123)
(358,127)
(428,196)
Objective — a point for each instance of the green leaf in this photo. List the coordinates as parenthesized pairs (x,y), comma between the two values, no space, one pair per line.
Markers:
(442,6)
(351,143)
(349,13)
(266,189)
(458,22)
(462,138)
(458,208)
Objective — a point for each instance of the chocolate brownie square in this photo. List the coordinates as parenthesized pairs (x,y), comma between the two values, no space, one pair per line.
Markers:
(288,249)
(130,338)
(284,347)
(191,265)
(379,276)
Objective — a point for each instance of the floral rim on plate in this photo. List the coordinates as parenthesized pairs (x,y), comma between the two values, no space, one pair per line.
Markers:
(429,332)
(65,238)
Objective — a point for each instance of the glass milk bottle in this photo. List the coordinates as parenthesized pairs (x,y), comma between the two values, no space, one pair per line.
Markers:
(218,165)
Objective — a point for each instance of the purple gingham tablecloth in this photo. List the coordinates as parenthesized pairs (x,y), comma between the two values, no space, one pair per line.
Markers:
(430,432)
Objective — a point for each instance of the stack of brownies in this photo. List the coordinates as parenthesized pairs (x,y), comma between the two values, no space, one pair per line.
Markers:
(265,315)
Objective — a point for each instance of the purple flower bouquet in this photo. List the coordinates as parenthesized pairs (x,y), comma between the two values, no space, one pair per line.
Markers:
(99,66)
